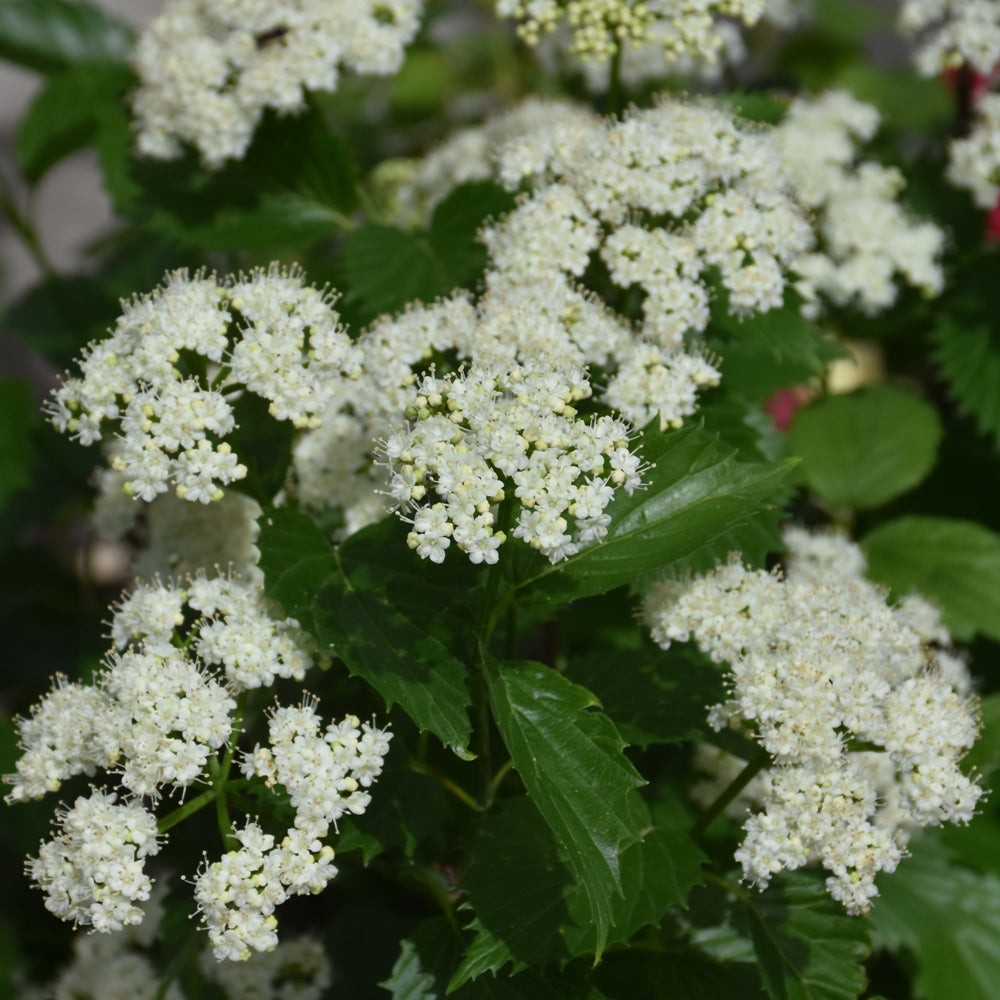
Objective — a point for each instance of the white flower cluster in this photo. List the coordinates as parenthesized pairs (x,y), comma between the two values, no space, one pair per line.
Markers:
(866,238)
(864,715)
(92,872)
(157,712)
(114,966)
(662,201)
(208,69)
(297,969)
(600,28)
(492,430)
(322,772)
(179,358)
(974,160)
(953,33)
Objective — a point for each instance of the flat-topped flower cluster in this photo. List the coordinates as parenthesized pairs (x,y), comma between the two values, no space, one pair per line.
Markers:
(160,712)
(953,33)
(210,68)
(863,711)
(494,430)
(600,28)
(179,358)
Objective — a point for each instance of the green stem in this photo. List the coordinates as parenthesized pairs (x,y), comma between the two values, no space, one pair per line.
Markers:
(491,607)
(181,813)
(496,782)
(221,779)
(457,790)
(749,772)
(613,99)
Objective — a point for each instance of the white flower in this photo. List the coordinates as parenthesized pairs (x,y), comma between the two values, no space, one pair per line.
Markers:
(495,429)
(92,872)
(818,660)
(974,161)
(210,68)
(266,332)
(866,238)
(953,33)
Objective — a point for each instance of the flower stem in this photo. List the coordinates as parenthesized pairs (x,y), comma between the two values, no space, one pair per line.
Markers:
(753,767)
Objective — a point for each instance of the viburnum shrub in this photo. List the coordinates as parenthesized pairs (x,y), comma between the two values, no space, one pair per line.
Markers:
(517,516)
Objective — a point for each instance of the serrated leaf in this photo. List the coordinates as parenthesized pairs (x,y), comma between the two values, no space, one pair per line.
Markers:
(665,698)
(969,359)
(395,622)
(865,448)
(17,415)
(570,759)
(696,491)
(425,961)
(64,114)
(677,974)
(454,226)
(49,35)
(948,918)
(808,947)
(280,219)
(530,910)
(955,564)
(765,352)
(385,268)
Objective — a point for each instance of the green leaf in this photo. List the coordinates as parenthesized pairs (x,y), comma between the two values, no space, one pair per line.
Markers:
(768,351)
(455,225)
(64,115)
(955,564)
(906,101)
(264,446)
(49,35)
(570,759)
(969,359)
(17,416)
(696,492)
(808,947)
(279,219)
(396,622)
(425,961)
(868,447)
(948,918)
(385,268)
(665,699)
(410,809)
(530,910)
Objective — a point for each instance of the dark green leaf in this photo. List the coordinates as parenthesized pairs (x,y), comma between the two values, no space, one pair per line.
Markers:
(955,564)
(49,35)
(866,448)
(264,446)
(409,809)
(907,102)
(17,414)
(808,947)
(386,268)
(516,889)
(696,493)
(425,962)
(455,224)
(529,909)
(281,219)
(768,351)
(395,621)
(570,759)
(948,918)
(666,695)
(969,359)
(64,115)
